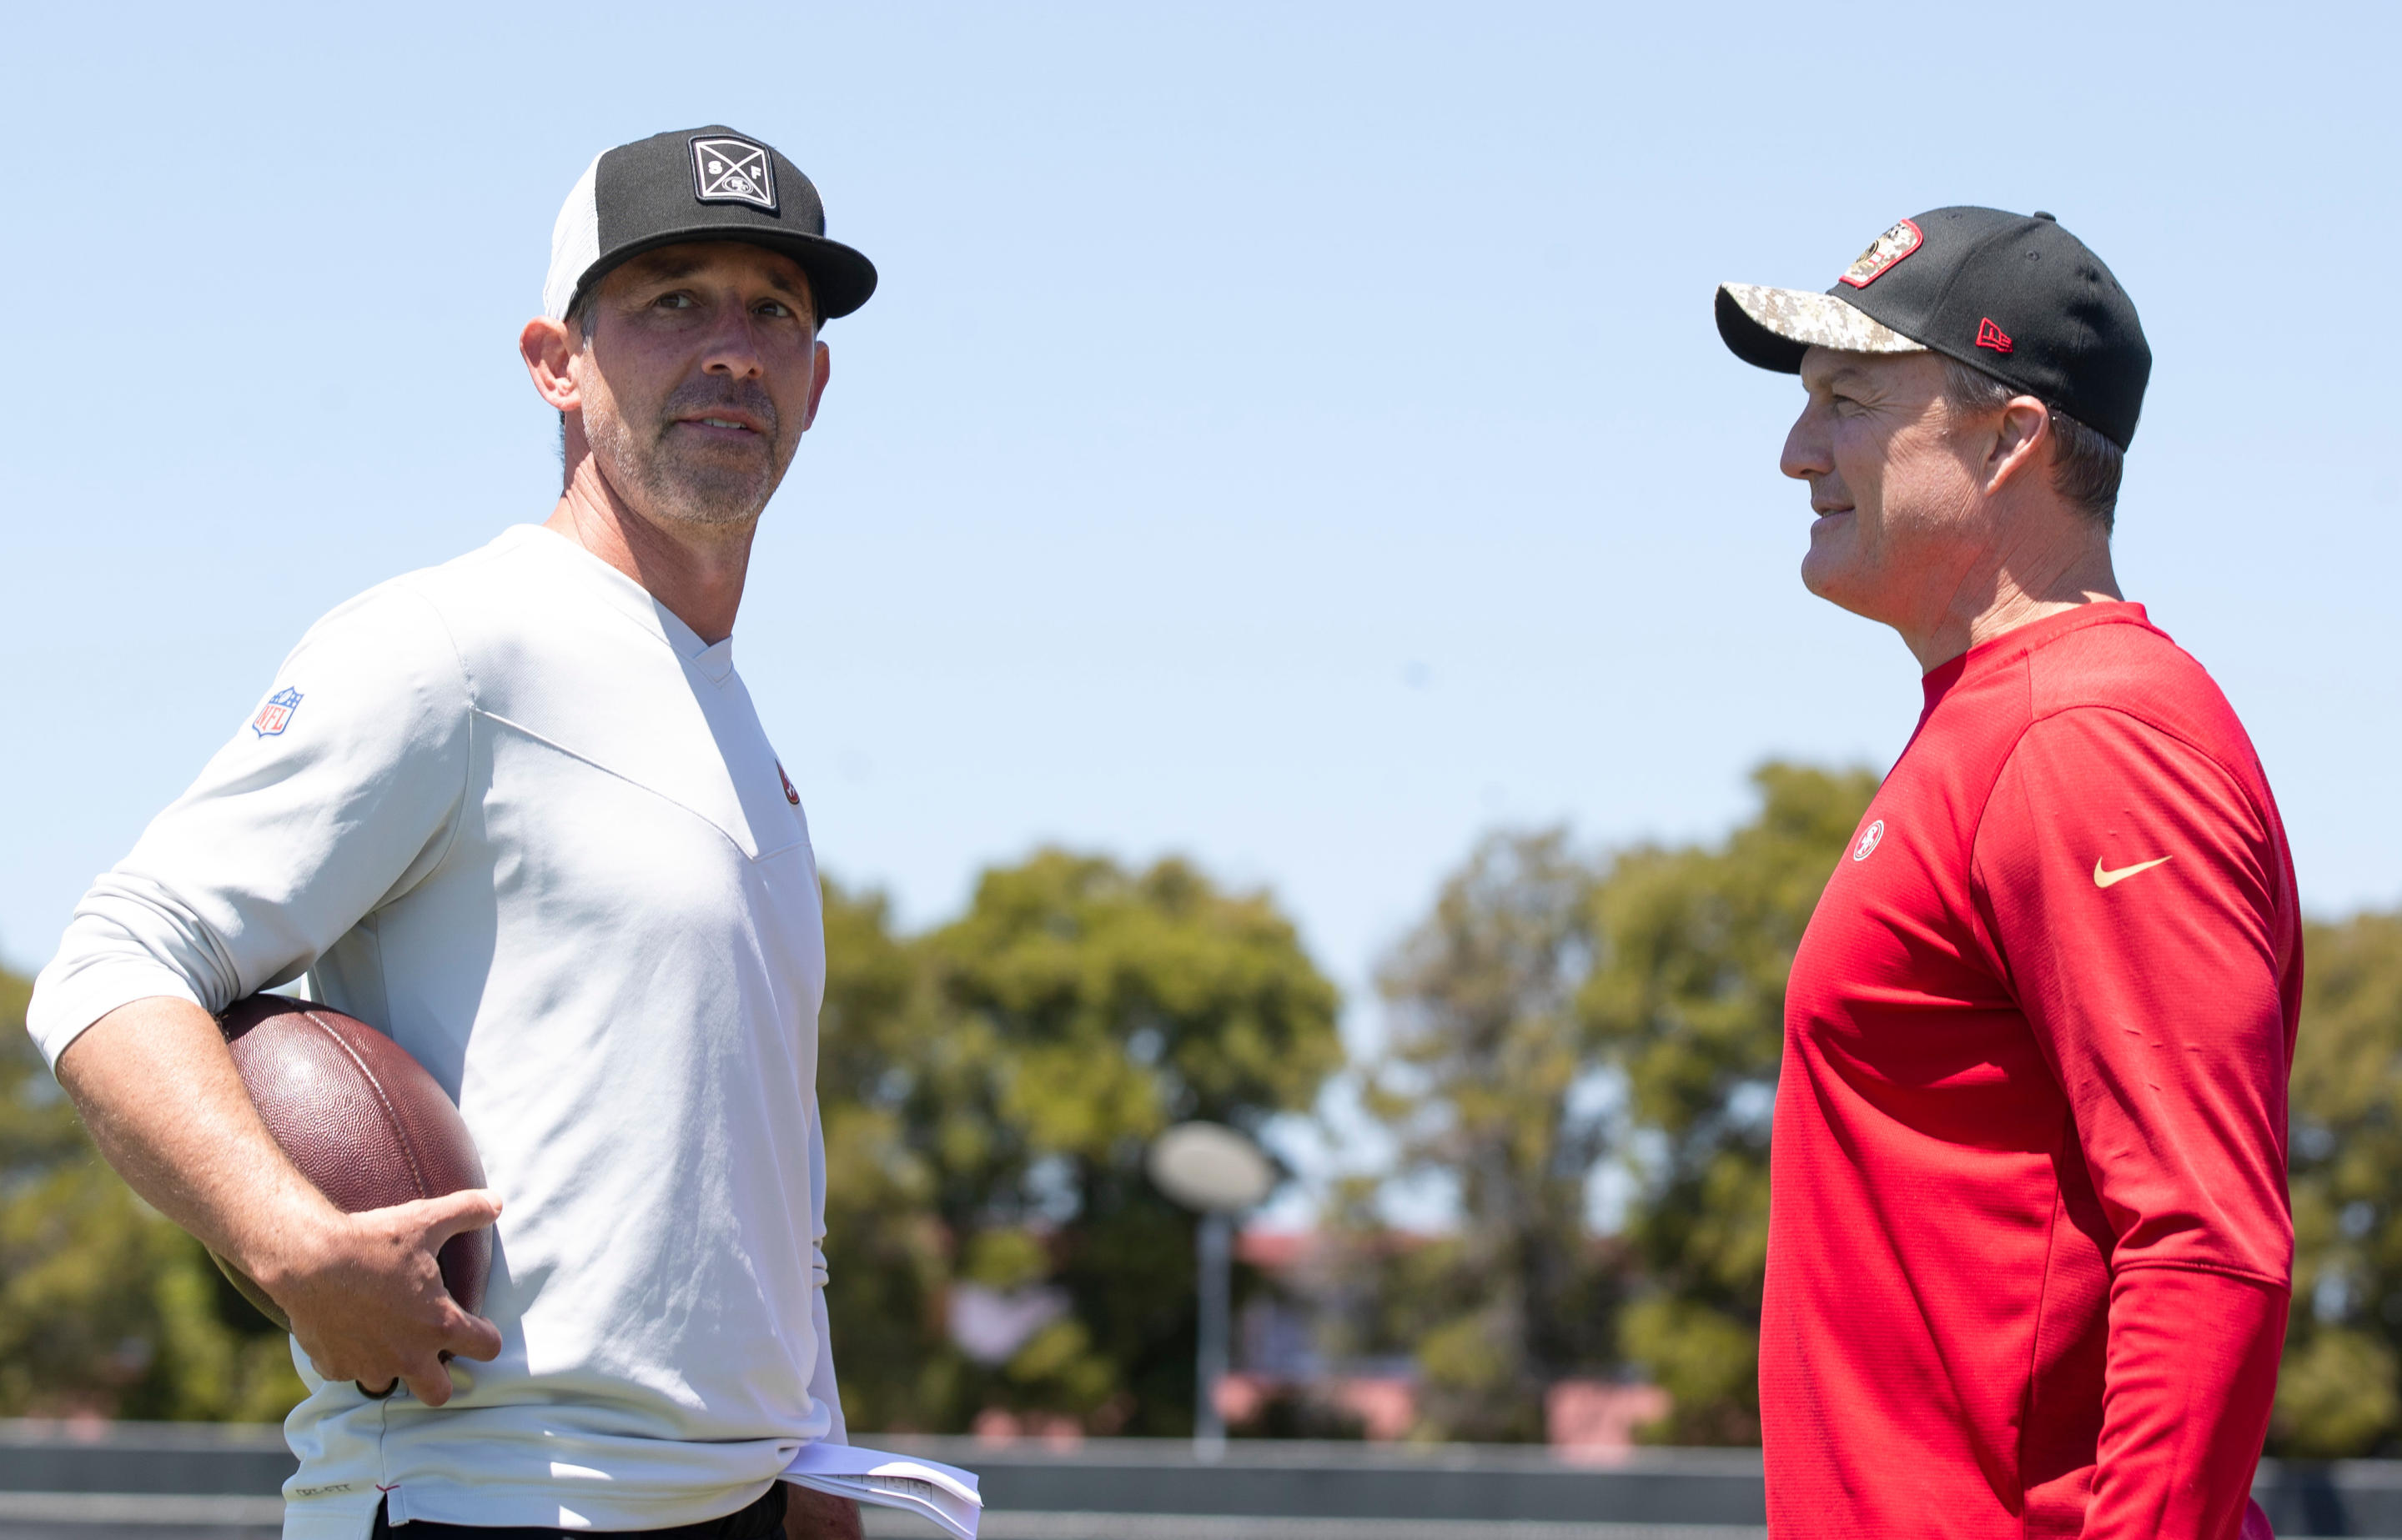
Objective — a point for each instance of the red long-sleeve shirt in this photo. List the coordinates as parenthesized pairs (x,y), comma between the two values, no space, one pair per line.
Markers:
(2029,1239)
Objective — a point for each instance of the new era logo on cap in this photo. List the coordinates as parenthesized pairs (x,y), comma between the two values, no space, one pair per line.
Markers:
(1990,335)
(733,171)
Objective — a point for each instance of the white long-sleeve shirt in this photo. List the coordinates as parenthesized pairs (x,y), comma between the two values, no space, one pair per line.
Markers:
(515,813)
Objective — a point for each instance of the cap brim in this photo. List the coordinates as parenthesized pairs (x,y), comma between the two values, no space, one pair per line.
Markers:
(1772,328)
(840,277)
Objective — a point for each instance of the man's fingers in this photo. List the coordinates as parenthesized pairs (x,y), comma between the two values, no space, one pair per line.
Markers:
(472,1337)
(430,1382)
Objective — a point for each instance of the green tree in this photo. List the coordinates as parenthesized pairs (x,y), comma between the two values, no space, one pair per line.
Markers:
(989,1092)
(889,1255)
(105,1306)
(1488,1085)
(1686,999)
(2337,1392)
(1114,1004)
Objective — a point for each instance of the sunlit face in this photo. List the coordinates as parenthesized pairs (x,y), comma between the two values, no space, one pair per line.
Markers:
(1893,478)
(702,372)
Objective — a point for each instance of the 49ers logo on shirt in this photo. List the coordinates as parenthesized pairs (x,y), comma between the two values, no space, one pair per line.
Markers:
(1870,837)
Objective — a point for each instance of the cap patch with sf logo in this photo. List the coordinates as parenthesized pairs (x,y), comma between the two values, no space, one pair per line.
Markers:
(731,171)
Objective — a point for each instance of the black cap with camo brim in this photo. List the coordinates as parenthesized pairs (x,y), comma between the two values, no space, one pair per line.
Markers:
(1773,328)
(2015,296)
(708,184)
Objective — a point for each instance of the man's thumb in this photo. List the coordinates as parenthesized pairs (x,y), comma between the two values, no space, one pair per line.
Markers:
(455,1213)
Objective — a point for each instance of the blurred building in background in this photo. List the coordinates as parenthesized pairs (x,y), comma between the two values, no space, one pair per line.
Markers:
(1287,1385)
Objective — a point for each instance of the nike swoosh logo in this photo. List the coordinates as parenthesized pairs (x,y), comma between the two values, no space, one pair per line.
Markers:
(2103,878)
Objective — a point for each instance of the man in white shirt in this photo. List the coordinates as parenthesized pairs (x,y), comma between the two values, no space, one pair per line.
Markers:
(517,811)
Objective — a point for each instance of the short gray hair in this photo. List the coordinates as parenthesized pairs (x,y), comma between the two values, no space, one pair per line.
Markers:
(2086,467)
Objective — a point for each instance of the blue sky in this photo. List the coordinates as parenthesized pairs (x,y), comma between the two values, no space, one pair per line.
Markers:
(1292,436)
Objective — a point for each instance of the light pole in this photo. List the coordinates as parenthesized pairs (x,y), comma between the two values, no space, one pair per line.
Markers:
(1214,1242)
(1218,1173)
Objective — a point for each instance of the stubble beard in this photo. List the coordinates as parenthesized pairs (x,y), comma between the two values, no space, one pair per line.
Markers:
(681,483)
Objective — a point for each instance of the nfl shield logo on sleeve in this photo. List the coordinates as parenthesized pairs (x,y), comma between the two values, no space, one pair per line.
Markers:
(276,715)
(733,171)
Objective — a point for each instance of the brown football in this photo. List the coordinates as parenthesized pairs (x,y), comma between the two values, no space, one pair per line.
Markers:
(361,1119)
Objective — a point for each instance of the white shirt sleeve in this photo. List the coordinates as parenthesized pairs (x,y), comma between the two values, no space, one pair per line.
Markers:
(320,810)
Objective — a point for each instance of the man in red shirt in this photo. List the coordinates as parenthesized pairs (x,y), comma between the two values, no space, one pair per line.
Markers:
(2029,1243)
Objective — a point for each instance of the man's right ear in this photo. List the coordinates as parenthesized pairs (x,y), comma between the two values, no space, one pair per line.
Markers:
(546,346)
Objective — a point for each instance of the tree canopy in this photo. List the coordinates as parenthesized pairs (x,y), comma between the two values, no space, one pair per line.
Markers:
(1557,1013)
(1686,999)
(2337,1392)
(990,1086)
(1488,1059)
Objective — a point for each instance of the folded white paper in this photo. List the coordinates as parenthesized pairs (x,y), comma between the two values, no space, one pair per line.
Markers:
(944,1493)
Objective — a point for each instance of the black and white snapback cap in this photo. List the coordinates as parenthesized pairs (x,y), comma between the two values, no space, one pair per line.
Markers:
(711,183)
(2012,294)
